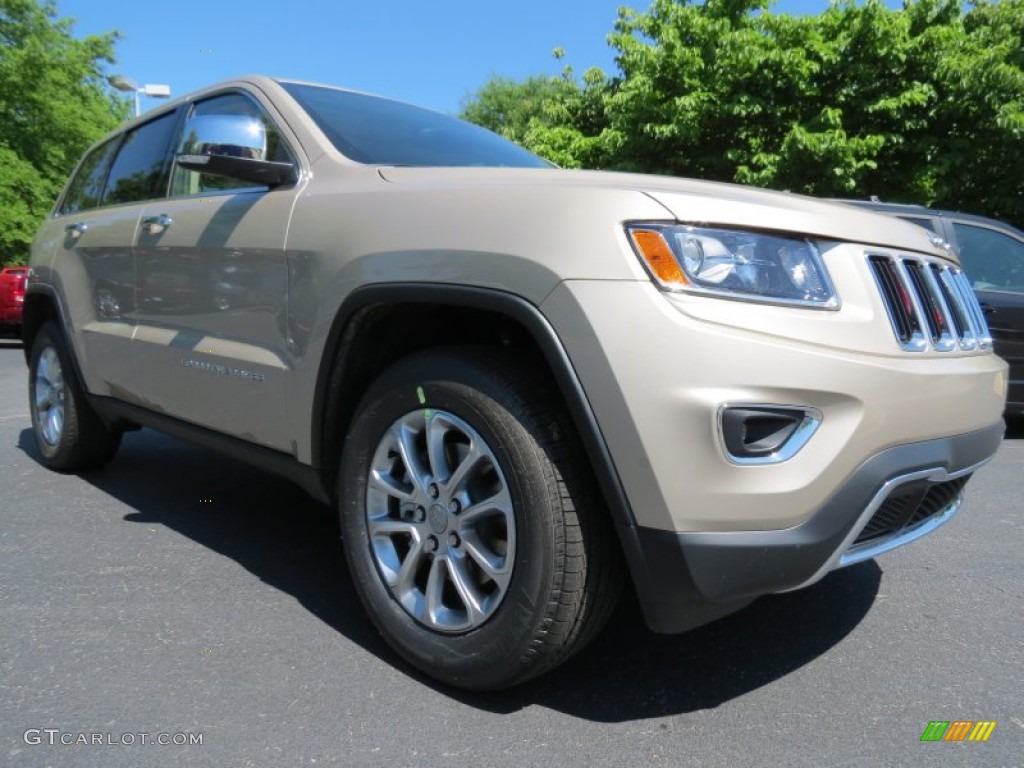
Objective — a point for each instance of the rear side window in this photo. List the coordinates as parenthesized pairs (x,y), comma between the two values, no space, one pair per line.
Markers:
(85,189)
(141,167)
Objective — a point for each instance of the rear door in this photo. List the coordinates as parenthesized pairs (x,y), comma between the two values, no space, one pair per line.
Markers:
(212,284)
(96,226)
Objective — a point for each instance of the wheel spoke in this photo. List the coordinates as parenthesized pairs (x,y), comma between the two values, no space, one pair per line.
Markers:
(499,503)
(390,527)
(44,395)
(495,565)
(390,485)
(437,428)
(405,436)
(54,425)
(385,535)
(468,592)
(434,592)
(405,579)
(466,466)
(45,360)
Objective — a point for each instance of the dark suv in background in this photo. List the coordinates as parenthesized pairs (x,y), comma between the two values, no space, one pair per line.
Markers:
(992,253)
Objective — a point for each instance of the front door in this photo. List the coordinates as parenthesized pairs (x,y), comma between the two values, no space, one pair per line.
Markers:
(994,261)
(212,289)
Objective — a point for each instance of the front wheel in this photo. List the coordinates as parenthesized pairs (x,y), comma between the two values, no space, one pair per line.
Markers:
(473,533)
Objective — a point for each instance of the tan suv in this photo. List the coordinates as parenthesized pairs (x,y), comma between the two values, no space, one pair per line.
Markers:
(521,387)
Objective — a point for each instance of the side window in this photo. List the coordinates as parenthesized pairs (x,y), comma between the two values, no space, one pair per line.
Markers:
(994,261)
(85,189)
(140,168)
(186,182)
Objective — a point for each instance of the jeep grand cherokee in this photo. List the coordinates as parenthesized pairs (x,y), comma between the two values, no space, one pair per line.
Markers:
(520,387)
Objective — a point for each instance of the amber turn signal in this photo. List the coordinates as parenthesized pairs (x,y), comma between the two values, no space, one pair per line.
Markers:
(659,257)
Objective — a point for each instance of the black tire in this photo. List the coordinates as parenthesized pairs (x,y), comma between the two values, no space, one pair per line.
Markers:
(81,440)
(566,572)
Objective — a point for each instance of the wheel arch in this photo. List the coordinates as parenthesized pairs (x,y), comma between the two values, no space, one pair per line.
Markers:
(41,306)
(372,329)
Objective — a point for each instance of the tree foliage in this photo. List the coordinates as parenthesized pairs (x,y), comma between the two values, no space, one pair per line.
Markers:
(508,106)
(54,102)
(922,104)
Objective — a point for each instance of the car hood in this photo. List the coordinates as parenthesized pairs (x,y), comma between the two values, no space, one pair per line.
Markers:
(695,202)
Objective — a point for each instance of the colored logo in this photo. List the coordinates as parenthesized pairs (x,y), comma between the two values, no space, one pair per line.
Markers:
(958,730)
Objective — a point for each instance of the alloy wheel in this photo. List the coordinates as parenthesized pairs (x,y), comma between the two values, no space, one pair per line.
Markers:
(49,396)
(441,521)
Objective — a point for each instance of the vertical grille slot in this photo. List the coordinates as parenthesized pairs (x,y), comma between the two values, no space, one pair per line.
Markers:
(932,304)
(929,304)
(897,302)
(958,313)
(970,302)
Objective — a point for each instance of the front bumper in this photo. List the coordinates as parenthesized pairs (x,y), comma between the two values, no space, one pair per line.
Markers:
(687,579)
(705,534)
(657,373)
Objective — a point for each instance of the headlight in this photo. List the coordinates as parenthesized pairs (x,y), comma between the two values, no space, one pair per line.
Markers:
(755,266)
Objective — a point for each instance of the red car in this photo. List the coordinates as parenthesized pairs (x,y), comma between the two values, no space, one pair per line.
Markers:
(12,298)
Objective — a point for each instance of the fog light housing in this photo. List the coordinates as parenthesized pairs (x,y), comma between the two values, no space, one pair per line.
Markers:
(755,433)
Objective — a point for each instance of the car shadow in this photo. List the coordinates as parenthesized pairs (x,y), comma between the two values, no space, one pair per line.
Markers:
(629,673)
(275,531)
(1015,427)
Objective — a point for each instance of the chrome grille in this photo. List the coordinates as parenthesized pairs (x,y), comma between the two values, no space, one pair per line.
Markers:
(930,305)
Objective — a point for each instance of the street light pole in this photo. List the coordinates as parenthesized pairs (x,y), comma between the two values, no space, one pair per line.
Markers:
(126,84)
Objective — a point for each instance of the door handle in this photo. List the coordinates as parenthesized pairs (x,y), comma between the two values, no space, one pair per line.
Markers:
(157,224)
(74,231)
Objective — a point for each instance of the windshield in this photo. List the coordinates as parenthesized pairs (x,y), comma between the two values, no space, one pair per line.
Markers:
(378,131)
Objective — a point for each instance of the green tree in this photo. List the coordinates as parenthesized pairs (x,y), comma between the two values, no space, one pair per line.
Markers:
(560,118)
(831,104)
(922,104)
(508,106)
(977,159)
(54,102)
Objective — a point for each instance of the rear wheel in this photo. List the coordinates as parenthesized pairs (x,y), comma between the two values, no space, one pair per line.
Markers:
(473,533)
(68,432)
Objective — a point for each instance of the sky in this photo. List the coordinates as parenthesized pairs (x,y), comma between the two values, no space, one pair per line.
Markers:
(434,53)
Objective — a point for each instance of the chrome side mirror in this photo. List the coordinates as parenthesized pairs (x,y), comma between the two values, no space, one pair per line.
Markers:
(224,135)
(234,146)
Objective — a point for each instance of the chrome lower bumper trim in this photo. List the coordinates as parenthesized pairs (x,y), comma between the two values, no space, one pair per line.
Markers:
(847,553)
(869,549)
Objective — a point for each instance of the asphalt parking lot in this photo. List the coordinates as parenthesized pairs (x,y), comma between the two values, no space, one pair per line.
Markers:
(180,594)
